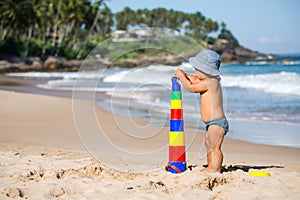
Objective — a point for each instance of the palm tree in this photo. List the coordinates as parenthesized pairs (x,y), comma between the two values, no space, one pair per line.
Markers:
(210,26)
(227,35)
(125,18)
(106,21)
(16,16)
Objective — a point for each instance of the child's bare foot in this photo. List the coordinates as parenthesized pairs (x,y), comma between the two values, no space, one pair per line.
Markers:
(209,169)
(206,169)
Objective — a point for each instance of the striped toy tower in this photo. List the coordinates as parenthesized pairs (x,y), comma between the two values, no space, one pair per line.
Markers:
(176,162)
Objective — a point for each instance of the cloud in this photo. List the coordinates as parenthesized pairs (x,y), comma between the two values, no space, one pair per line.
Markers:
(269,40)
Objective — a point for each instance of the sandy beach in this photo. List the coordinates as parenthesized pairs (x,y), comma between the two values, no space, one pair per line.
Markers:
(44,157)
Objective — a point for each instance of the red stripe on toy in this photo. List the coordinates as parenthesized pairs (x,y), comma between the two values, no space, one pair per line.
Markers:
(176,113)
(177,153)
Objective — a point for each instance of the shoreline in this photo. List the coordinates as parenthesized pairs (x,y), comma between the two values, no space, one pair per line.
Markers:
(20,85)
(28,85)
(56,103)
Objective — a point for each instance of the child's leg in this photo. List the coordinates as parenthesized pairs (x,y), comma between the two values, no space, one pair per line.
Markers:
(213,142)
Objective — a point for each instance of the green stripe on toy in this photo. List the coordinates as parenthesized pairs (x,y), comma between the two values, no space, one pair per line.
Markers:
(176,95)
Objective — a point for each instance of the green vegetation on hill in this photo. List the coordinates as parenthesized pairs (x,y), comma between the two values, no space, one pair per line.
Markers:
(72,28)
(66,28)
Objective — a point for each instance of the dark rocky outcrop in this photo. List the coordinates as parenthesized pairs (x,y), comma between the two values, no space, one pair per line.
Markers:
(14,64)
(238,54)
(228,53)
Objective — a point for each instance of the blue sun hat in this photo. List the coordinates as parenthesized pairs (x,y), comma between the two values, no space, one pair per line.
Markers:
(207,61)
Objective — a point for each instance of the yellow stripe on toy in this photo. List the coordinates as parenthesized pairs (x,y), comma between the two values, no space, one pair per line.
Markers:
(175,104)
(176,138)
(259,173)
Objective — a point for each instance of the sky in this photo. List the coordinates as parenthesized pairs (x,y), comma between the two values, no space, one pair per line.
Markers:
(270,26)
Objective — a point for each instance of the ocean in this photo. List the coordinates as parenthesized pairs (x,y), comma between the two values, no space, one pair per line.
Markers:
(254,92)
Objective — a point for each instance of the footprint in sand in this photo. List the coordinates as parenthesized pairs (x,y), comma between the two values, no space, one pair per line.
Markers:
(15,192)
(57,192)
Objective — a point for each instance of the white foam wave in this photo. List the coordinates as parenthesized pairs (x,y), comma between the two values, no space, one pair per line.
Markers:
(116,77)
(62,75)
(154,74)
(287,63)
(280,83)
(90,89)
(45,74)
(287,83)
(159,68)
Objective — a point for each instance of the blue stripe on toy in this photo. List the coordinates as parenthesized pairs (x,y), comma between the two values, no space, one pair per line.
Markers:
(176,88)
(176,125)
(181,166)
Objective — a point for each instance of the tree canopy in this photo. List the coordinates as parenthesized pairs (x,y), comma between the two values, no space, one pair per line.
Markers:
(71,28)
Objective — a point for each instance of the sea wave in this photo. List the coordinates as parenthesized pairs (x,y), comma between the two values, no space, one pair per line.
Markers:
(156,74)
(286,83)
(61,75)
(287,63)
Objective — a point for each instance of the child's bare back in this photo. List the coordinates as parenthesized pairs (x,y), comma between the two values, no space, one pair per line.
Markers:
(212,101)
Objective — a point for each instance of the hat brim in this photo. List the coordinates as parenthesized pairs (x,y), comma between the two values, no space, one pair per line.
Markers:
(203,67)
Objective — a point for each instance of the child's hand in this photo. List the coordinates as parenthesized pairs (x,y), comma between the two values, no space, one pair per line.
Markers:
(174,76)
(178,73)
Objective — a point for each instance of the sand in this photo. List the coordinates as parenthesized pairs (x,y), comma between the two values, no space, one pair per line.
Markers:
(44,157)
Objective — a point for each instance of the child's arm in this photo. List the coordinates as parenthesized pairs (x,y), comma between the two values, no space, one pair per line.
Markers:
(191,83)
